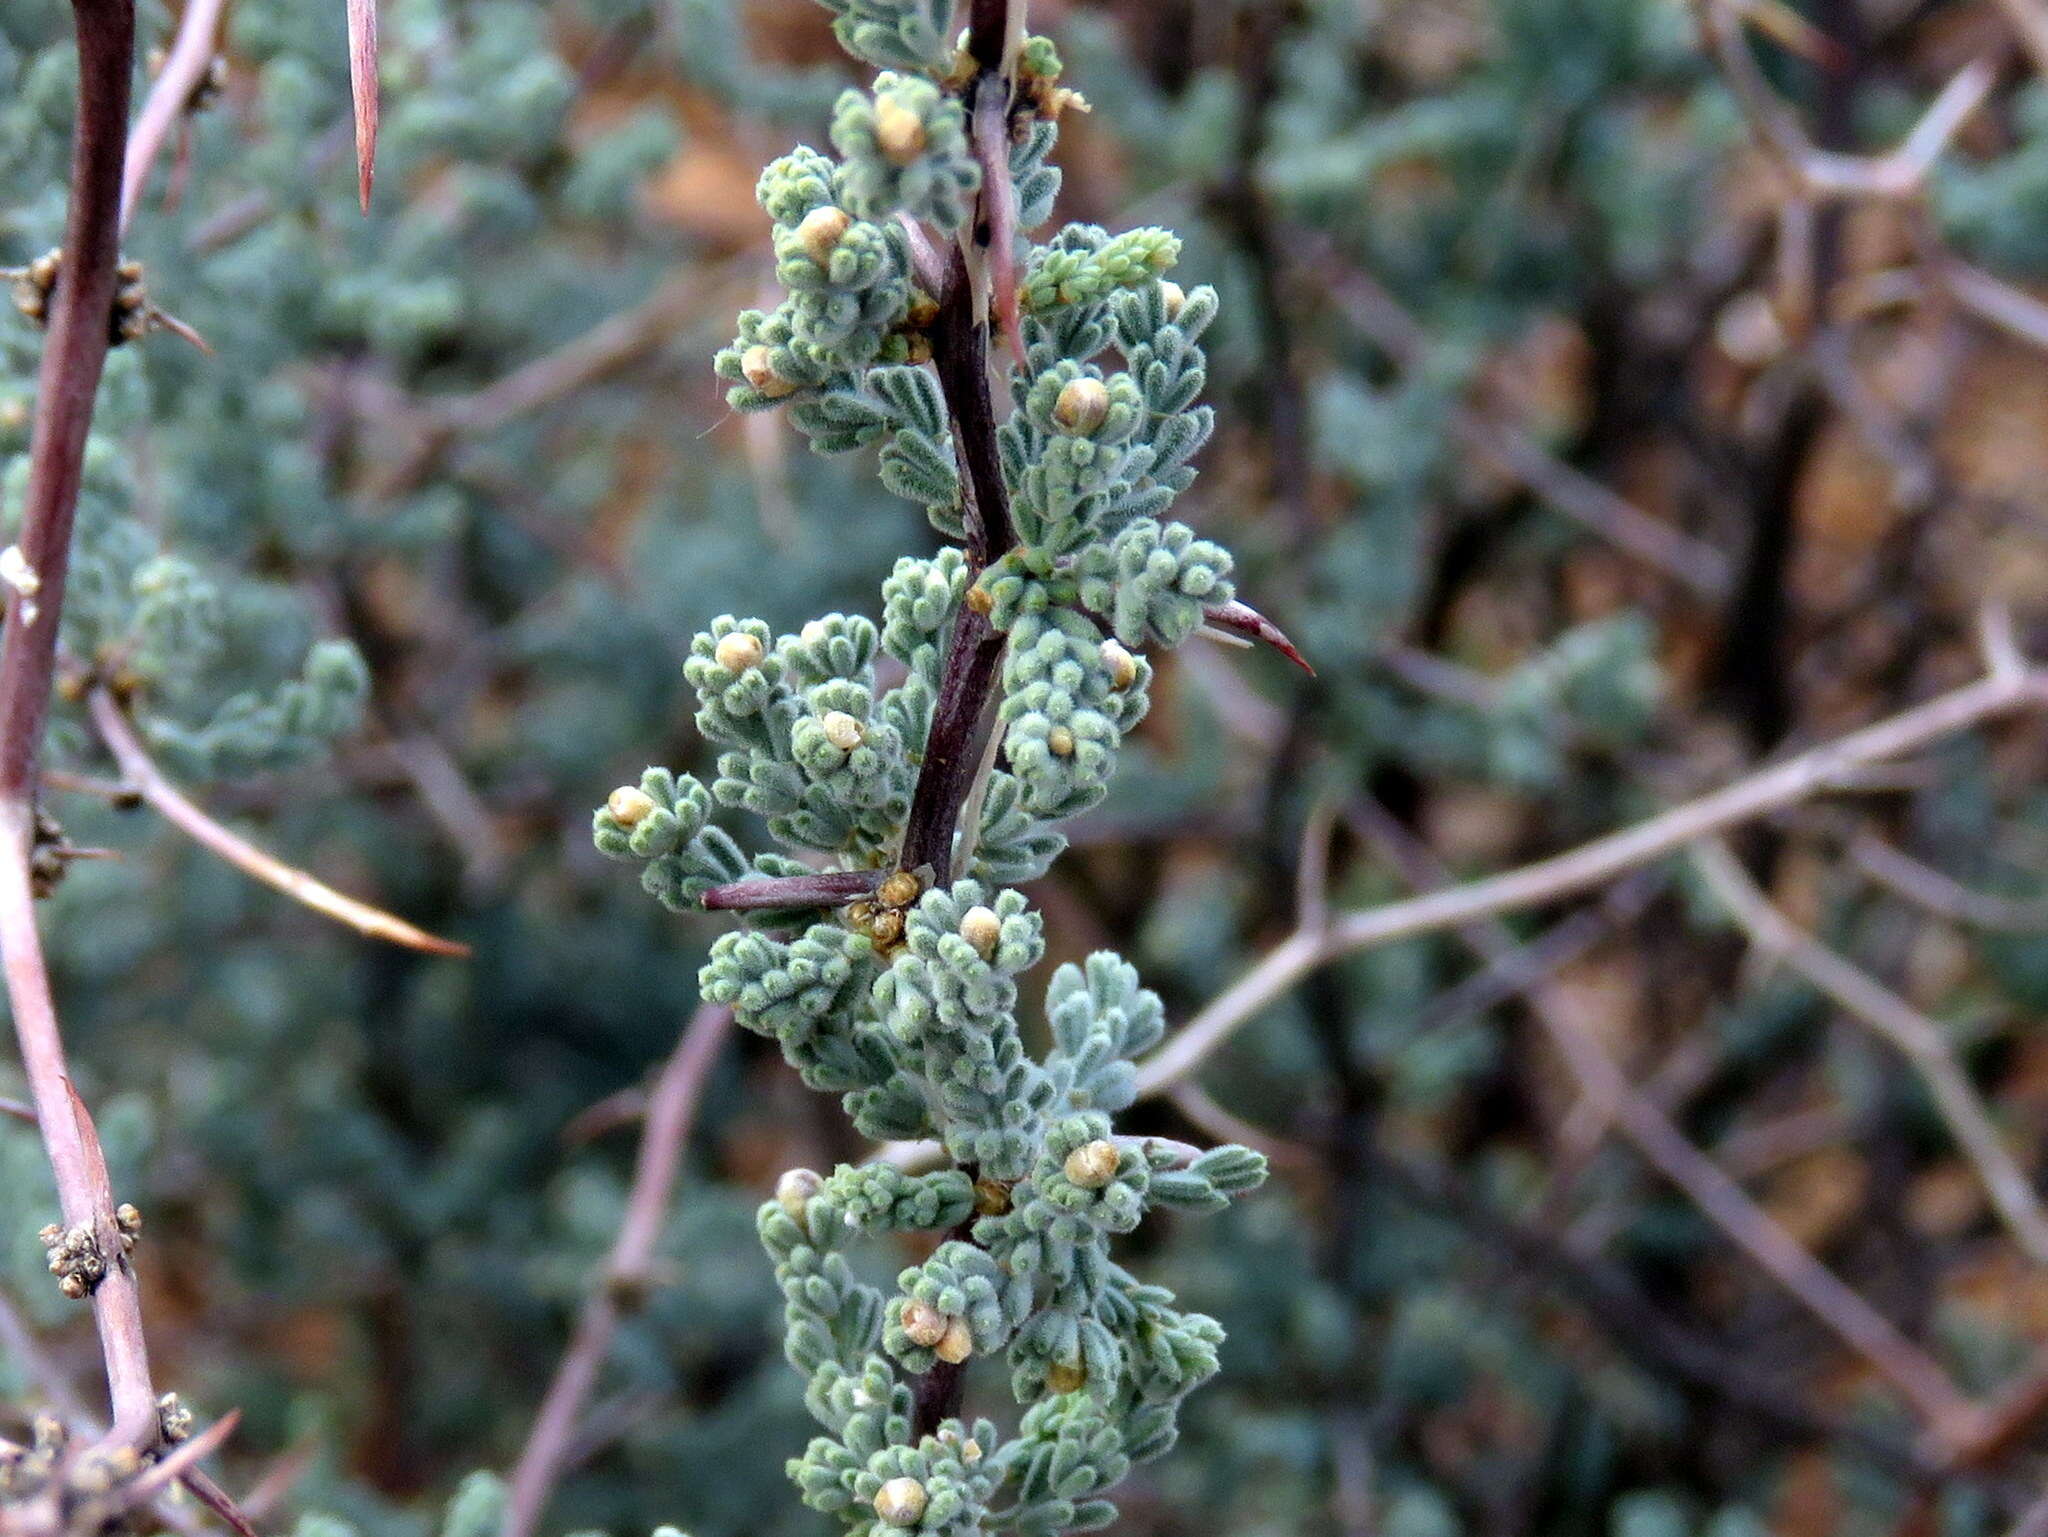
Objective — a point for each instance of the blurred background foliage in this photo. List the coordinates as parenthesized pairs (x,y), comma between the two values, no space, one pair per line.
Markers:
(377,1182)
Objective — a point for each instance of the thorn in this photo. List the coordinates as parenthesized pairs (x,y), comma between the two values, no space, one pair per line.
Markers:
(362,80)
(1244,620)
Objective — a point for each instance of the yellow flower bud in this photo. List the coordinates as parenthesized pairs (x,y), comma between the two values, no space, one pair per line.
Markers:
(760,372)
(900,1502)
(1082,406)
(957,1345)
(899,889)
(794,1190)
(1174,296)
(842,730)
(981,928)
(1122,666)
(819,233)
(629,806)
(923,1324)
(1061,1377)
(738,651)
(898,131)
(1092,1165)
(1061,741)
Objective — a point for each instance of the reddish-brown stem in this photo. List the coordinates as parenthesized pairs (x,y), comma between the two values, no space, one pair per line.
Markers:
(84,1193)
(671,1111)
(954,746)
(74,354)
(830,888)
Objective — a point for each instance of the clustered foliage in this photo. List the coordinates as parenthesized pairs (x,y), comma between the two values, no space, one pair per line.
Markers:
(357,1158)
(907,1005)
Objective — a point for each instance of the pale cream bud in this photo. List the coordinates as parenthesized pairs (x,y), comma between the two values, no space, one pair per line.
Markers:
(794,1190)
(820,232)
(900,1502)
(898,131)
(1082,406)
(629,806)
(1174,296)
(1061,1377)
(1122,666)
(923,1324)
(1061,741)
(842,730)
(981,928)
(899,888)
(738,651)
(1093,1164)
(756,365)
(957,1345)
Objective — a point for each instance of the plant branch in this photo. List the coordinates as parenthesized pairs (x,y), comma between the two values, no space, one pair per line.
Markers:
(1899,173)
(1918,1038)
(954,746)
(1693,563)
(170,98)
(828,888)
(671,1112)
(74,354)
(141,771)
(1945,1412)
(1592,864)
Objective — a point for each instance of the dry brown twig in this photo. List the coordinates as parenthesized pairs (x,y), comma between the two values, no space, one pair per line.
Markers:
(2006,688)
(74,353)
(170,98)
(671,1112)
(141,771)
(1811,172)
(1918,1038)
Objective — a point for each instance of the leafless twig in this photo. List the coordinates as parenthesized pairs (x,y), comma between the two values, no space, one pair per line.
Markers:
(1917,1037)
(1590,865)
(141,771)
(74,353)
(671,1111)
(1926,887)
(170,98)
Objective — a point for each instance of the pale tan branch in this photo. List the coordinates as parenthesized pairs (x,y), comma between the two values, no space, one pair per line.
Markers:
(1899,173)
(170,98)
(1944,896)
(84,1190)
(1590,865)
(1917,1377)
(671,1112)
(1919,1039)
(141,771)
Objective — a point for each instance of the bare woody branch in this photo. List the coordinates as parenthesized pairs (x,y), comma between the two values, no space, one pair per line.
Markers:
(170,98)
(671,1112)
(1900,173)
(74,354)
(2000,693)
(1913,1034)
(1946,1413)
(141,771)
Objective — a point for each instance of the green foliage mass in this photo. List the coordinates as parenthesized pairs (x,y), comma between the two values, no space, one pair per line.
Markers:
(411,660)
